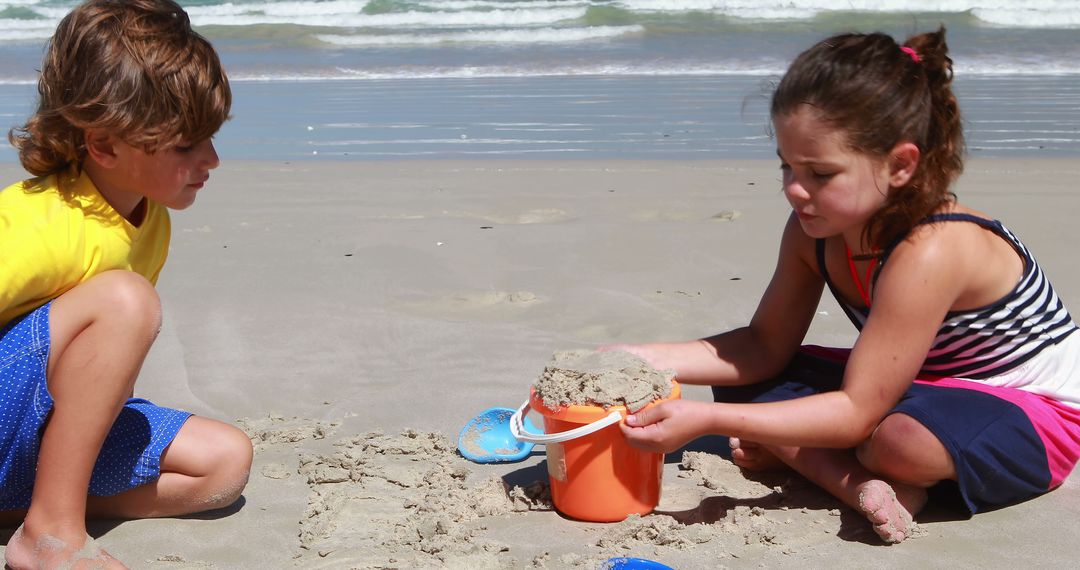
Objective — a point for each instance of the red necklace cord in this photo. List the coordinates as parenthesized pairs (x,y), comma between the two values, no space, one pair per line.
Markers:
(855,276)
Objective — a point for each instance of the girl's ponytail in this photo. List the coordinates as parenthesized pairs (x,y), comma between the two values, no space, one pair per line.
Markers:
(943,155)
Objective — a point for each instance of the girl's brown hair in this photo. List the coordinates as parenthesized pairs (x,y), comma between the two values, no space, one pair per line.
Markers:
(878,95)
(134,68)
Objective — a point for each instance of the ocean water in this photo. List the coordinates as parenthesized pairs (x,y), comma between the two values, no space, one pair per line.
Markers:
(371,79)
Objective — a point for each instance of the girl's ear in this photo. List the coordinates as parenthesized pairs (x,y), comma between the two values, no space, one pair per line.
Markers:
(100,147)
(903,159)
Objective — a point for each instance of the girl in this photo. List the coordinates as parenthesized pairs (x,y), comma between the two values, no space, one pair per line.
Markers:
(129,98)
(966,371)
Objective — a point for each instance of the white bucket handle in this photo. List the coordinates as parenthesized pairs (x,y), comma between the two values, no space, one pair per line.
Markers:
(517,428)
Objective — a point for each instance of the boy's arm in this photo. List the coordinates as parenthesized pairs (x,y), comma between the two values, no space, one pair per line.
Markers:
(28,269)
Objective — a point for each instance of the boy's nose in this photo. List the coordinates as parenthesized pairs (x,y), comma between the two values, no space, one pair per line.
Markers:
(210,155)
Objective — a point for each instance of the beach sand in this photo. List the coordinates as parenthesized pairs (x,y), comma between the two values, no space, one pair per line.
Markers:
(352,316)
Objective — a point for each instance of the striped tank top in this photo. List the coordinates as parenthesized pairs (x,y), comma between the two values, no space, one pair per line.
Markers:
(987,341)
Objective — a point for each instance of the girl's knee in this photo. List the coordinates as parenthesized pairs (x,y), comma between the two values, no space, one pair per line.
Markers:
(904,450)
(888,443)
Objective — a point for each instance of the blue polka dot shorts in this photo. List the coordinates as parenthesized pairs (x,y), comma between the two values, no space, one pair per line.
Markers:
(131,455)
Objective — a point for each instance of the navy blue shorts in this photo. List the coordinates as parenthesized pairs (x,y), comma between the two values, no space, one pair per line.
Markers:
(1008,445)
(131,454)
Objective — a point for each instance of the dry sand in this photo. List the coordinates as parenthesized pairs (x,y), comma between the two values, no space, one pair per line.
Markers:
(353,316)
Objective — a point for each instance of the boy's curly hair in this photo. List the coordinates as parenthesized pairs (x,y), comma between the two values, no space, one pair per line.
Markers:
(132,67)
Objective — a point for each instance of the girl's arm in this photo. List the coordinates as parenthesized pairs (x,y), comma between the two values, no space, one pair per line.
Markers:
(915,290)
(761,349)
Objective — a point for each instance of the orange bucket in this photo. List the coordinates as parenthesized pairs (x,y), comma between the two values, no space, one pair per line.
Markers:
(595,474)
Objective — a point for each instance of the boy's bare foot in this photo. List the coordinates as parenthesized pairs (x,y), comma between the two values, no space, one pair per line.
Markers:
(49,553)
(892,522)
(753,457)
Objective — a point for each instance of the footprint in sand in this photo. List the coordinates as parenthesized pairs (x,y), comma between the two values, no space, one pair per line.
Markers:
(684,215)
(177,561)
(276,471)
(475,303)
(535,216)
(275,429)
(491,298)
(726,216)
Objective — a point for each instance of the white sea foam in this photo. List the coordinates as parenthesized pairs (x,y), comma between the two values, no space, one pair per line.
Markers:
(1030,17)
(1013,13)
(455,141)
(28,34)
(328,8)
(763,69)
(483,38)
(336,14)
(8,26)
(415,19)
(1032,131)
(373,126)
(495,13)
(481,72)
(423,153)
(488,4)
(50,12)
(511,36)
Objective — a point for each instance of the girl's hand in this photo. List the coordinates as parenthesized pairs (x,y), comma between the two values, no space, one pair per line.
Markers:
(667,426)
(652,354)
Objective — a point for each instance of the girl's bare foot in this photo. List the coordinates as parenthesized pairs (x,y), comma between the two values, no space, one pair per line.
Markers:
(753,457)
(891,520)
(49,553)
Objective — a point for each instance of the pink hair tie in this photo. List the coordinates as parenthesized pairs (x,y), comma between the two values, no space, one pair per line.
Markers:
(914,56)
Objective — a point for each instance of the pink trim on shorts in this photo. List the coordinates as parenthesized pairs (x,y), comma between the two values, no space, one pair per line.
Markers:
(1057,424)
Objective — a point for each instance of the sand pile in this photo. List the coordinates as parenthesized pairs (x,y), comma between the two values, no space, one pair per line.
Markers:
(404,500)
(610,378)
(275,429)
(408,500)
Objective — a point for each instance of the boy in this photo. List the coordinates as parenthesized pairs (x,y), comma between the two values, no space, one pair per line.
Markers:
(129,98)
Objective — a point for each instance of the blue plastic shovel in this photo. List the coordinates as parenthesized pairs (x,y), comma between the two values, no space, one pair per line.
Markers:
(623,563)
(487,438)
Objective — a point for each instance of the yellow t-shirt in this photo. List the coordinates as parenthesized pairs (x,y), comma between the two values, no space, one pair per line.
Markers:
(51,241)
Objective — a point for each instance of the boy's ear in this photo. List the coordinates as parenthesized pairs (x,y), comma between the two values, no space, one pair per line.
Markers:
(100,147)
(903,159)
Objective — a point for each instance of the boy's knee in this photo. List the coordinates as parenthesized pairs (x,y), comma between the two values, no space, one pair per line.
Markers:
(232,456)
(132,292)
(241,451)
(129,296)
(217,459)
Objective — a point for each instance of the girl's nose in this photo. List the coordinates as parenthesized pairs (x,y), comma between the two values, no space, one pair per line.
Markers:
(793,189)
